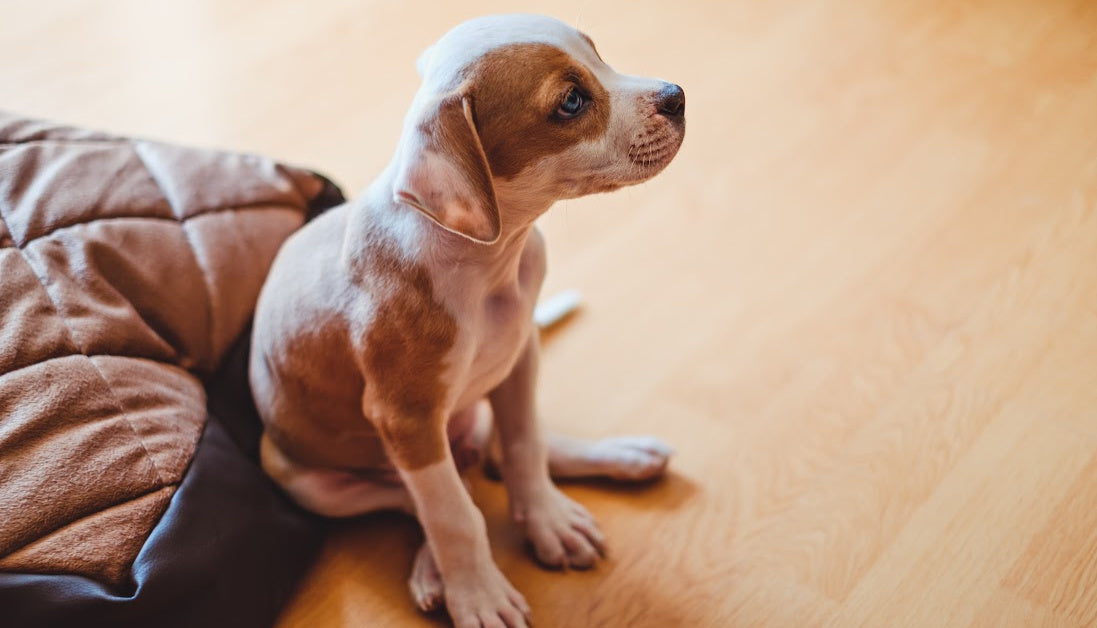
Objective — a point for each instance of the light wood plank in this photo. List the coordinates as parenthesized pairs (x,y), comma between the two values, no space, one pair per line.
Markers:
(862,303)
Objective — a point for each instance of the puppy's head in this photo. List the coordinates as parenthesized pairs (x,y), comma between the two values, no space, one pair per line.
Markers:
(525,102)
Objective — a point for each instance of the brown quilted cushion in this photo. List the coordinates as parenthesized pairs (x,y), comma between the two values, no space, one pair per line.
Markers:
(127,269)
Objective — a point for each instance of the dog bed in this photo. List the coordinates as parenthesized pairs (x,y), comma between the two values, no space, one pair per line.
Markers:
(129,491)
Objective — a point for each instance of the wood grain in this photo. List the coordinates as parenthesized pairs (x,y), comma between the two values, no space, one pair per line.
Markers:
(862,303)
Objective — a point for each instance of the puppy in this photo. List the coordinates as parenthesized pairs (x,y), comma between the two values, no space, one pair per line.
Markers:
(385,322)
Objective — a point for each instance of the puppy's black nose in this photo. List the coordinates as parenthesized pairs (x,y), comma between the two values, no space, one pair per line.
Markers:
(671,101)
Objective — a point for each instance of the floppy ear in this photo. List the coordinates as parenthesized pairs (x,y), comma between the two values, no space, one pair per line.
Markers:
(444,172)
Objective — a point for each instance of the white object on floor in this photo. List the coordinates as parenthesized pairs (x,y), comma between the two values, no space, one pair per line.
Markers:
(557,307)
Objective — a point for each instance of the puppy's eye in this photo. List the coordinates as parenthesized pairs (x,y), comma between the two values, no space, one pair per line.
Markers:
(572,104)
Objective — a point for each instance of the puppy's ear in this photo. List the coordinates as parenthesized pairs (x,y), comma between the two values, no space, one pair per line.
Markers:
(444,172)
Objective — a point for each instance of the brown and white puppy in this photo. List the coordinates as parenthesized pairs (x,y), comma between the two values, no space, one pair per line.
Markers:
(385,322)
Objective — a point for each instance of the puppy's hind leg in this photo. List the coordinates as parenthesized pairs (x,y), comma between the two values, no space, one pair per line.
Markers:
(621,458)
(425,582)
(330,492)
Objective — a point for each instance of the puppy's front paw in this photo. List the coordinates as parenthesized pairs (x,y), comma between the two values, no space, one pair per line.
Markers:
(562,531)
(485,598)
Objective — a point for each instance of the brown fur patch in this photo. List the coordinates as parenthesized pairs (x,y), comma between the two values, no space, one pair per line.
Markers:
(515,91)
(404,359)
(325,427)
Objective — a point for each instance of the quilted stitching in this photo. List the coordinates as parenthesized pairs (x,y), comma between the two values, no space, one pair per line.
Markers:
(112,305)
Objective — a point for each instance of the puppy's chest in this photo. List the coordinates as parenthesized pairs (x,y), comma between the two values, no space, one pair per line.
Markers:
(491,340)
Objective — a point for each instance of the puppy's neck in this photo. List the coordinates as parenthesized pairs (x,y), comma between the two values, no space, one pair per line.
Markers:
(377,219)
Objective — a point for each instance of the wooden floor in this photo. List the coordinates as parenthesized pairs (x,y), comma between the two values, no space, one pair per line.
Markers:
(862,303)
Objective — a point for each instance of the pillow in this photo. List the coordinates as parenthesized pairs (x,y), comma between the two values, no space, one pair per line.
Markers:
(128,270)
